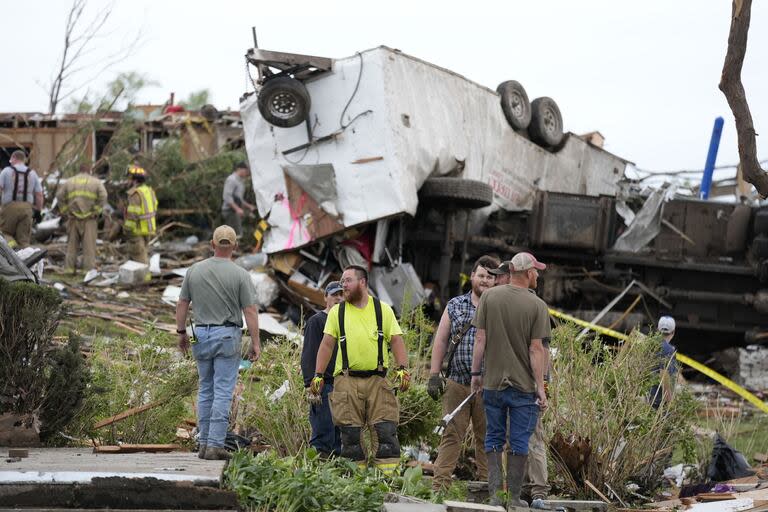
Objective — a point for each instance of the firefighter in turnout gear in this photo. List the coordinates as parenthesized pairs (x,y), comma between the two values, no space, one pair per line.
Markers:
(81,199)
(362,395)
(21,200)
(140,214)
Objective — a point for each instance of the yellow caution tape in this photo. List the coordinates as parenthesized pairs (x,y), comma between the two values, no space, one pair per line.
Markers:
(709,372)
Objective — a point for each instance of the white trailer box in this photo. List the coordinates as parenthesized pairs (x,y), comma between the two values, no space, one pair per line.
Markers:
(386,122)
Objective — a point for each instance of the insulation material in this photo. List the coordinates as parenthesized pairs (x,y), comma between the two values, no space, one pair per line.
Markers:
(406,121)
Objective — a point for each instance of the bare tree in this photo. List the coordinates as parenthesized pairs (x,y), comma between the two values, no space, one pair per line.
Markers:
(82,56)
(733,89)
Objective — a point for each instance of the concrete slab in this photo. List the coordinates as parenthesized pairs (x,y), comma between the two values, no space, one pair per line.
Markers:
(78,478)
(463,506)
(412,507)
(81,465)
(576,505)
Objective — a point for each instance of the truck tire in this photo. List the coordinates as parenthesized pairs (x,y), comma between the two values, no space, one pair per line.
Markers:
(761,222)
(456,193)
(546,128)
(760,247)
(284,101)
(515,104)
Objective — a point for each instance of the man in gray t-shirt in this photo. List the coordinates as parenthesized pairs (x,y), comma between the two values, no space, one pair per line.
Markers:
(233,203)
(222,293)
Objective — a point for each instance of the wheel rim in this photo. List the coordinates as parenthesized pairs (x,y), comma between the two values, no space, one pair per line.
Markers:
(518,104)
(551,125)
(283,105)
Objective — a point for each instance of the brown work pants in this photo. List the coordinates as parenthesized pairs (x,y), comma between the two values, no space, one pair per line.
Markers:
(136,249)
(453,437)
(535,481)
(81,232)
(365,401)
(16,222)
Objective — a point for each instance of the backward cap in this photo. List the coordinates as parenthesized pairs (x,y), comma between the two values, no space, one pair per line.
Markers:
(525,261)
(666,324)
(224,235)
(502,269)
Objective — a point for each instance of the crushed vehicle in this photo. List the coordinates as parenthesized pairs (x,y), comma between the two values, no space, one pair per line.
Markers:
(438,170)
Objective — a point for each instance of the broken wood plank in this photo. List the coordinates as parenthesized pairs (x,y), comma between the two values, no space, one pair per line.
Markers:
(596,491)
(127,414)
(21,453)
(136,448)
(367,160)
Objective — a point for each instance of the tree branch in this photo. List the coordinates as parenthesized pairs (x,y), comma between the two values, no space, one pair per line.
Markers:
(733,89)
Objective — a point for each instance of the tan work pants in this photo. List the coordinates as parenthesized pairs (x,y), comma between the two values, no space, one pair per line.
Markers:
(535,481)
(453,437)
(357,402)
(81,232)
(16,222)
(136,249)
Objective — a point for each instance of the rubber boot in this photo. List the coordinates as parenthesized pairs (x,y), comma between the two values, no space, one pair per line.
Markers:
(515,473)
(495,477)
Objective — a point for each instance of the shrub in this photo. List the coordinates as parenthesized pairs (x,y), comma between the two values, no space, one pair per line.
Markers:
(599,411)
(131,371)
(29,314)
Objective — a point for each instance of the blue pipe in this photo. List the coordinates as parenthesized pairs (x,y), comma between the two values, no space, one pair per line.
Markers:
(709,167)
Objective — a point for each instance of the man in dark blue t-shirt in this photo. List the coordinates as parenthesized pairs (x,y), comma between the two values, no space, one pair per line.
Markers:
(326,437)
(667,365)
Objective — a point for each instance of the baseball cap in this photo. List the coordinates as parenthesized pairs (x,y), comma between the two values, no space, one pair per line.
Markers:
(502,269)
(333,287)
(525,261)
(666,324)
(224,235)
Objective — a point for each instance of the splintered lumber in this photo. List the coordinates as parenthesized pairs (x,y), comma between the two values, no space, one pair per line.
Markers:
(127,414)
(597,491)
(135,448)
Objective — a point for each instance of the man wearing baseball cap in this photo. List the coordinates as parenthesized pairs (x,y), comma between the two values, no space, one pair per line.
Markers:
(667,366)
(502,273)
(222,293)
(326,437)
(511,325)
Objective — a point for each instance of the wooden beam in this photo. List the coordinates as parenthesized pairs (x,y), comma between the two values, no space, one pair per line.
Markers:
(127,414)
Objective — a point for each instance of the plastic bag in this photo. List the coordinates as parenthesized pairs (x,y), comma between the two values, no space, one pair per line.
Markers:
(727,463)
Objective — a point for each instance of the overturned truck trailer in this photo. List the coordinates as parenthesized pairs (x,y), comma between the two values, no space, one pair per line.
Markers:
(460,170)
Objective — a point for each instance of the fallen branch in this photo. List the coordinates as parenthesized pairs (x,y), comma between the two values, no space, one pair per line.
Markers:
(733,89)
(127,414)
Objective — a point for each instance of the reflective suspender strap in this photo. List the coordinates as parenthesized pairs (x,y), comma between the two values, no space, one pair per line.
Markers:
(16,184)
(380,333)
(343,341)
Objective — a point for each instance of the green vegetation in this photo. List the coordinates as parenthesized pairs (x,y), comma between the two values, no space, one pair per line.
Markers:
(307,482)
(598,397)
(131,371)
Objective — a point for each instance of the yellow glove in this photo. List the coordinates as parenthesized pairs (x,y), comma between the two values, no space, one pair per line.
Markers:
(316,384)
(403,377)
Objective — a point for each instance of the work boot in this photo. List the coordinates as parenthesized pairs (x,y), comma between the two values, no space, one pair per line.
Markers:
(515,473)
(495,477)
(216,453)
(201,451)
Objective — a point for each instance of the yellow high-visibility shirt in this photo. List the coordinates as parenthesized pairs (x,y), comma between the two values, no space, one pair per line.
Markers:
(362,335)
(141,211)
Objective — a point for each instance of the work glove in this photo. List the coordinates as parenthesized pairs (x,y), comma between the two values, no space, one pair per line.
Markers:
(435,386)
(403,379)
(314,398)
(37,215)
(316,384)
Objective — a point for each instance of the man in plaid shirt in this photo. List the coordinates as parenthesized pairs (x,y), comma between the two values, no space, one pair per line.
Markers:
(456,319)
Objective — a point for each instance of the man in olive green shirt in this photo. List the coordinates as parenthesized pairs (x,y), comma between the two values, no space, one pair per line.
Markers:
(221,294)
(511,324)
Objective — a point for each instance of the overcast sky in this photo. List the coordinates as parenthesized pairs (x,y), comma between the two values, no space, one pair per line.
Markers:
(643,73)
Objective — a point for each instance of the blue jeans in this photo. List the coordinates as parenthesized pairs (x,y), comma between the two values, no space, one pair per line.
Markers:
(521,410)
(326,437)
(217,352)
